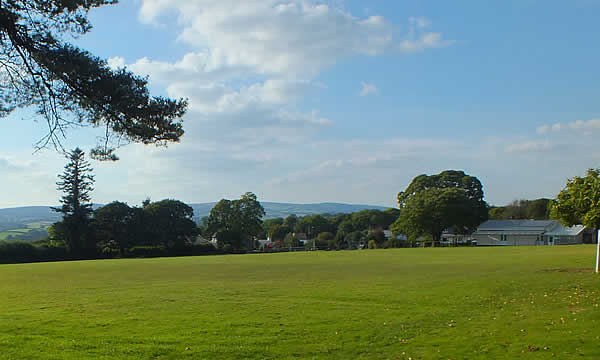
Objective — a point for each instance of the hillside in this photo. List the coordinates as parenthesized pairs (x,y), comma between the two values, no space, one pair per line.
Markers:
(275,209)
(29,214)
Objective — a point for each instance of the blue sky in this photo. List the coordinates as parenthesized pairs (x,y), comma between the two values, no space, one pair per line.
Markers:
(322,101)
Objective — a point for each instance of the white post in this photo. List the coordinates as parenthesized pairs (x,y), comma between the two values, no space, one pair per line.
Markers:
(598,253)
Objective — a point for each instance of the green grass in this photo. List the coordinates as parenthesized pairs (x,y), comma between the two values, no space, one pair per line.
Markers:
(7,233)
(451,303)
(41,225)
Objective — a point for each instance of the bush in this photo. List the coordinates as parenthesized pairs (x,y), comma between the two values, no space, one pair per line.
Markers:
(372,244)
(227,248)
(53,253)
(110,253)
(18,251)
(394,243)
(147,251)
(203,249)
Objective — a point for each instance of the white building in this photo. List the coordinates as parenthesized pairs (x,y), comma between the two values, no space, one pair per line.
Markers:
(528,232)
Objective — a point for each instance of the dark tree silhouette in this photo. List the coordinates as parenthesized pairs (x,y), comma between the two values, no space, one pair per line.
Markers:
(69,86)
(77,183)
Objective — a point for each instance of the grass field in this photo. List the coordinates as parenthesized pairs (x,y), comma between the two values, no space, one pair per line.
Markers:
(40,225)
(450,303)
(13,232)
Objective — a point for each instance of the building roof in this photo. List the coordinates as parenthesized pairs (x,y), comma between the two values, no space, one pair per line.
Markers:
(528,227)
(301,236)
(566,231)
(517,226)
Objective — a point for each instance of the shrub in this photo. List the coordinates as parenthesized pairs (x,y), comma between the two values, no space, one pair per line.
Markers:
(372,244)
(17,251)
(53,253)
(147,251)
(203,249)
(227,248)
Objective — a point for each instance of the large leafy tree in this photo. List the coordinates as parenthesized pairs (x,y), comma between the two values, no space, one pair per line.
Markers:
(278,233)
(171,223)
(76,182)
(579,202)
(313,225)
(114,226)
(70,86)
(240,219)
(449,200)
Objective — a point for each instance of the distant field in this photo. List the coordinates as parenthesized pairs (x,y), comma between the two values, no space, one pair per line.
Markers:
(450,303)
(13,232)
(40,225)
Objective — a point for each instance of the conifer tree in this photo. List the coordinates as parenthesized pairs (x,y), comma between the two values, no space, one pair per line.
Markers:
(76,182)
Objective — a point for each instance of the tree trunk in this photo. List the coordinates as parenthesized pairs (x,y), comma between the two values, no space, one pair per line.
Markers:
(435,237)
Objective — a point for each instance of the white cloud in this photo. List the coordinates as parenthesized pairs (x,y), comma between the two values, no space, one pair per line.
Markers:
(250,68)
(116,62)
(423,42)
(254,61)
(583,126)
(368,89)
(530,146)
(420,22)
(9,163)
(296,37)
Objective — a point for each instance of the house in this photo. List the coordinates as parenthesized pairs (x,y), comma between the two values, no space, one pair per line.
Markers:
(201,240)
(302,237)
(263,242)
(388,235)
(528,232)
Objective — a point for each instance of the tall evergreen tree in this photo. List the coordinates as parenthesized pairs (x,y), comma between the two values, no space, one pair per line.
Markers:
(77,183)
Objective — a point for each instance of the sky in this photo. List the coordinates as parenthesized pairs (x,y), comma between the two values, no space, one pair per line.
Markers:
(338,101)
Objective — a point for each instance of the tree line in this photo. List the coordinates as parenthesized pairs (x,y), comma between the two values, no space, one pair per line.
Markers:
(431,204)
(538,209)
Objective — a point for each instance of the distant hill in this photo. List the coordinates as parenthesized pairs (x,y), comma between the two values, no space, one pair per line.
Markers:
(273,209)
(28,214)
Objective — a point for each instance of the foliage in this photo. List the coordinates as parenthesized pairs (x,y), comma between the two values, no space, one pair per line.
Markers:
(355,240)
(230,240)
(242,216)
(377,236)
(538,209)
(268,224)
(17,251)
(290,221)
(76,183)
(171,223)
(27,251)
(312,225)
(372,219)
(432,204)
(68,85)
(325,236)
(579,202)
(114,226)
(278,232)
(291,240)
(147,251)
